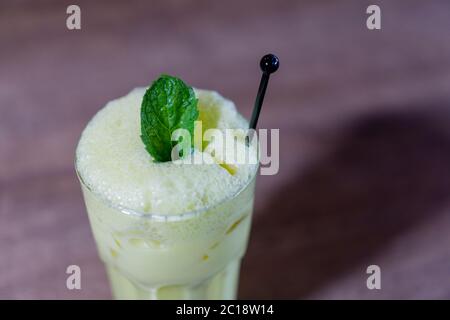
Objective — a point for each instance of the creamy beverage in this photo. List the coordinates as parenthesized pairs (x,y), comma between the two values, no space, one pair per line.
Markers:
(166,230)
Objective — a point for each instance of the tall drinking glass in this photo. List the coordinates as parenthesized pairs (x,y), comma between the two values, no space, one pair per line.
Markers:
(194,255)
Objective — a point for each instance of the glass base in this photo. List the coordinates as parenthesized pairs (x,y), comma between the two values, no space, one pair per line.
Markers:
(221,286)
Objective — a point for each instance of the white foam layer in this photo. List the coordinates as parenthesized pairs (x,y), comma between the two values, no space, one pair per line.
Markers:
(113,162)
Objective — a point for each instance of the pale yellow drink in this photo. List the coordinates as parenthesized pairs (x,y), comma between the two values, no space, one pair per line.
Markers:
(165,230)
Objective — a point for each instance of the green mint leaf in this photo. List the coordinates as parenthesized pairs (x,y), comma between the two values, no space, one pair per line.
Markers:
(169,104)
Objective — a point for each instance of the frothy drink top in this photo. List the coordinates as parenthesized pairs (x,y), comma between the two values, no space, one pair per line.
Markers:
(113,163)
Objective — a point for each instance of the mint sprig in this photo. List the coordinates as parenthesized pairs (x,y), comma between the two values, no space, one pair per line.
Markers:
(169,104)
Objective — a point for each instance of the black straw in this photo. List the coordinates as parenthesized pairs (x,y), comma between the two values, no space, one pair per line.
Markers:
(269,64)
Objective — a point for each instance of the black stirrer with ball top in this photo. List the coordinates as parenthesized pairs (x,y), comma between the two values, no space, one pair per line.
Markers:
(269,64)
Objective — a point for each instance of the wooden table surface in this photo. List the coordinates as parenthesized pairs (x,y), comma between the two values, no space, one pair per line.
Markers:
(364,120)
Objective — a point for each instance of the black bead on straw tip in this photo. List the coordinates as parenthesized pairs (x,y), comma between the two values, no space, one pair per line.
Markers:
(268,64)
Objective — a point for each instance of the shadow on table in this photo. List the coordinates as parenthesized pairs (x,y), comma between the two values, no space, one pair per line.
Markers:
(386,173)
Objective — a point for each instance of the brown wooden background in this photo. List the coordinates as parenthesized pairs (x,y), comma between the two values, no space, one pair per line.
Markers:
(365,135)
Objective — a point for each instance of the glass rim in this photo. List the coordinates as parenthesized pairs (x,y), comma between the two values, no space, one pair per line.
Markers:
(164,217)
